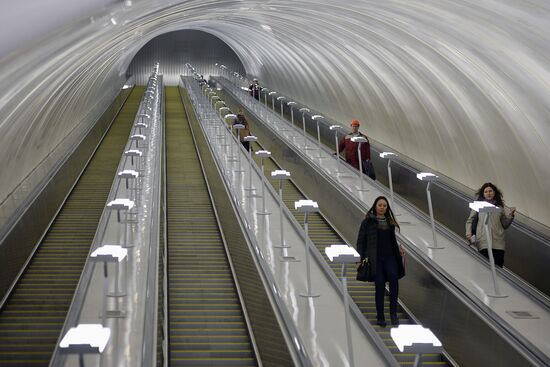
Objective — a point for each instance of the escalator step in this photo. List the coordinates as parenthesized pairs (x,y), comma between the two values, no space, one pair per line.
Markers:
(206,323)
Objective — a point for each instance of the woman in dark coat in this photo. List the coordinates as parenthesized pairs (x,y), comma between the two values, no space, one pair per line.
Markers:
(378,243)
(244,132)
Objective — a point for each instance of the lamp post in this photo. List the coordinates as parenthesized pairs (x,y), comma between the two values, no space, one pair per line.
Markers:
(214,99)
(130,174)
(238,128)
(359,140)
(219,104)
(250,139)
(223,68)
(265,96)
(85,339)
(282,175)
(488,209)
(263,154)
(126,205)
(143,116)
(430,177)
(137,138)
(316,118)
(344,254)
(389,156)
(260,94)
(229,119)
(107,254)
(415,339)
(224,111)
(134,153)
(304,111)
(272,95)
(335,128)
(291,104)
(306,207)
(281,98)
(140,125)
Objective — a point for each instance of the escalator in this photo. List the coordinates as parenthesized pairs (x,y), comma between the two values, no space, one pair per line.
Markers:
(34,313)
(323,235)
(205,318)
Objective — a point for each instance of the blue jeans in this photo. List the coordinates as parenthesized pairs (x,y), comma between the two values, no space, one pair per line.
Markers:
(386,271)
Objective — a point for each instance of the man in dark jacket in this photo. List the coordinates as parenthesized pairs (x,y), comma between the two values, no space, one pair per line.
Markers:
(351,147)
(254,89)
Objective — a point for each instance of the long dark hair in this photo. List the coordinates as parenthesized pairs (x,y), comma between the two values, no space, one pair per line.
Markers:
(389,213)
(498,194)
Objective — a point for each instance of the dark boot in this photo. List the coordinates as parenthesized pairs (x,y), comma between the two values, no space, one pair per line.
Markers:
(394,319)
(380,321)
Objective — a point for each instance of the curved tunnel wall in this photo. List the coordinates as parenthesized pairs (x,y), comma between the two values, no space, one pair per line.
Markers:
(460,86)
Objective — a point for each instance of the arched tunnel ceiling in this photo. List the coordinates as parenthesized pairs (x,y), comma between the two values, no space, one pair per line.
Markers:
(459,86)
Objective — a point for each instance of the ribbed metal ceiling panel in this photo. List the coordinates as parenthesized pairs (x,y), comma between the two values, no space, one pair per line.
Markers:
(460,86)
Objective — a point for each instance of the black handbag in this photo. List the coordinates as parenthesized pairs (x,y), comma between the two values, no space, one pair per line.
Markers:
(364,271)
(368,168)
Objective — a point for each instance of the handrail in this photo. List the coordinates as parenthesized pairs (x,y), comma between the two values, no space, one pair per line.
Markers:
(164,259)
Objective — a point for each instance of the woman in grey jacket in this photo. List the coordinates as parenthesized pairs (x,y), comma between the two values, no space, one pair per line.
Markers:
(498,222)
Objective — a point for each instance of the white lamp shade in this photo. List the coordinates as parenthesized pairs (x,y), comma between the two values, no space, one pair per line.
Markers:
(114,253)
(133,152)
(238,126)
(308,206)
(263,153)
(426,176)
(86,337)
(128,173)
(121,204)
(359,139)
(280,174)
(317,117)
(415,339)
(484,207)
(250,138)
(342,254)
(388,155)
